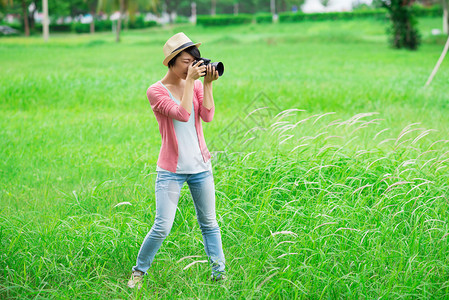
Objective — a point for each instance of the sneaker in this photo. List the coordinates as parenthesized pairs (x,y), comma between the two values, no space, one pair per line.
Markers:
(220,277)
(136,279)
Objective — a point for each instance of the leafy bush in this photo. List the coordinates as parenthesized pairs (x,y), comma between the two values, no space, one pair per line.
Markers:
(104,25)
(380,13)
(100,25)
(223,20)
(181,20)
(361,14)
(433,11)
(54,27)
(138,22)
(264,18)
(151,24)
(80,27)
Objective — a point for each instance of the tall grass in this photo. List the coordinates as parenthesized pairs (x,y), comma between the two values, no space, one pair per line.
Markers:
(330,165)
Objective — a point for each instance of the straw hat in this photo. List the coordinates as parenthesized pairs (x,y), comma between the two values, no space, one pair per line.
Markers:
(176,44)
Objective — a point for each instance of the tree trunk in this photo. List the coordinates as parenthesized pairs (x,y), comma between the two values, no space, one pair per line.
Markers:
(45,20)
(236,8)
(31,20)
(26,25)
(119,21)
(193,6)
(445,16)
(213,6)
(117,29)
(92,24)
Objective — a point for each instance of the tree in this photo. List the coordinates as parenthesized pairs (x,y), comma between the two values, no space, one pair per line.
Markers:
(445,4)
(171,6)
(93,7)
(403,31)
(123,6)
(24,12)
(26,25)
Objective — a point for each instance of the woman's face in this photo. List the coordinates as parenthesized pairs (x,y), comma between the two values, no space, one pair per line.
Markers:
(182,63)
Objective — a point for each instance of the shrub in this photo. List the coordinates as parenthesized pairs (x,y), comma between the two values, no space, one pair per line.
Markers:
(80,27)
(421,11)
(138,22)
(151,23)
(264,18)
(181,20)
(100,25)
(361,14)
(223,20)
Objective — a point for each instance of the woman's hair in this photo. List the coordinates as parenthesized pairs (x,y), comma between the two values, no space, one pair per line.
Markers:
(192,50)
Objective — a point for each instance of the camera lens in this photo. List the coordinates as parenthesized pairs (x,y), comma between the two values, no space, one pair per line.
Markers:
(219,67)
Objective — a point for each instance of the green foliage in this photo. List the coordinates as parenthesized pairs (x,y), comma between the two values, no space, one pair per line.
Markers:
(103,25)
(223,20)
(181,20)
(151,23)
(16,26)
(139,22)
(264,18)
(379,14)
(361,14)
(100,25)
(424,11)
(55,27)
(106,25)
(403,32)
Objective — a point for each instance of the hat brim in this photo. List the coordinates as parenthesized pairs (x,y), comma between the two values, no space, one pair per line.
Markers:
(168,58)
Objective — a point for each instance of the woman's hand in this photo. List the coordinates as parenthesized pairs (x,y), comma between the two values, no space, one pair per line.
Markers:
(211,74)
(195,71)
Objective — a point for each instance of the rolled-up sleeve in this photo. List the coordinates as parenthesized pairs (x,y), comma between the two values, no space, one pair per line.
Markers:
(161,102)
(206,114)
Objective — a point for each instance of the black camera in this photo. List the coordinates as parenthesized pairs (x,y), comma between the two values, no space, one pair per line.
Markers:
(218,65)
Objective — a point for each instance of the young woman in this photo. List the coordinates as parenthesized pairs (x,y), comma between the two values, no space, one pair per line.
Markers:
(179,101)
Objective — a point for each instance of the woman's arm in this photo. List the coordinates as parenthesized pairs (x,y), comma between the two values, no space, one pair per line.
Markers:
(188,95)
(160,101)
(207,114)
(206,96)
(211,75)
(194,72)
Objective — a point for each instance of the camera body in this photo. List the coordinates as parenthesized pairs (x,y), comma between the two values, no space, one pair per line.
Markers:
(217,65)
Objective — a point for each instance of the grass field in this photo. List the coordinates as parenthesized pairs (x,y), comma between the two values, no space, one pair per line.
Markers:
(338,189)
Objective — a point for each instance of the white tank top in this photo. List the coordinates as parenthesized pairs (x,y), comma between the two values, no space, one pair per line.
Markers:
(190,160)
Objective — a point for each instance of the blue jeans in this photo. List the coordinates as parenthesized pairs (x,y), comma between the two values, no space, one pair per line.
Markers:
(168,188)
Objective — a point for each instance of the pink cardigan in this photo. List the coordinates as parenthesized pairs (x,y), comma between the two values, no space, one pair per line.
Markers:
(165,109)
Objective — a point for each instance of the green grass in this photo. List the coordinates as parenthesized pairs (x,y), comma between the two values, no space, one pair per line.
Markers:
(338,191)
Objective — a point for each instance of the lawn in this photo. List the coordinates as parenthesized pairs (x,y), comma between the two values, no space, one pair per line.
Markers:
(336,187)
